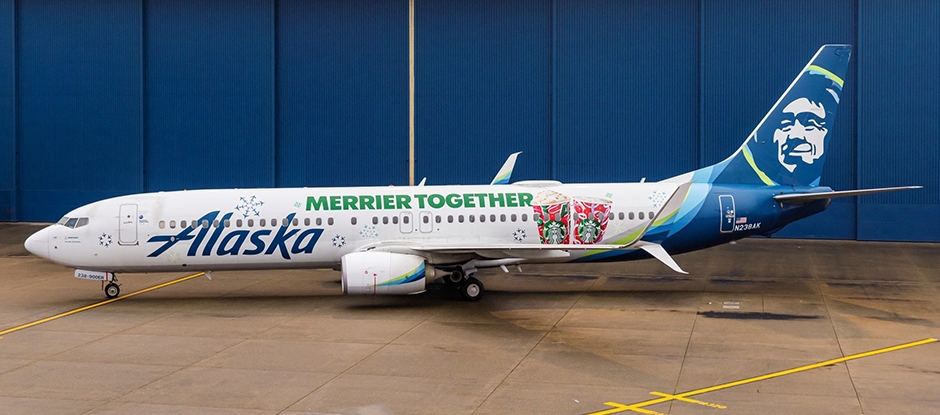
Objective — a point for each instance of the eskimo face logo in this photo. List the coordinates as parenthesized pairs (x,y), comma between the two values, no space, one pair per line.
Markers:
(801,135)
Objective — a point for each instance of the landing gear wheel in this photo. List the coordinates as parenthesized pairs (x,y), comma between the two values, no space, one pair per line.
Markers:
(455,278)
(471,289)
(112,290)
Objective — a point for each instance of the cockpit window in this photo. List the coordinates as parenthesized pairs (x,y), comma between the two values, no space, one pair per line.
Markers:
(72,222)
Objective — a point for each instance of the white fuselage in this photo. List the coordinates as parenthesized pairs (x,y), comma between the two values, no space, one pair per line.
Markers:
(314,227)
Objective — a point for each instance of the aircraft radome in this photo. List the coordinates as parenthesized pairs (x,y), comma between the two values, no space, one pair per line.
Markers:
(394,240)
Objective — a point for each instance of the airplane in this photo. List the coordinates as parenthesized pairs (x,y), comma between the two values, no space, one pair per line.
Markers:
(395,240)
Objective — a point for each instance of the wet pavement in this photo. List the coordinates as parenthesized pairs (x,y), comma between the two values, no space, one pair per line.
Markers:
(562,339)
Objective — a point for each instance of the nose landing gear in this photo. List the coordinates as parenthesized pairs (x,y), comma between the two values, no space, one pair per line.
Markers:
(112,290)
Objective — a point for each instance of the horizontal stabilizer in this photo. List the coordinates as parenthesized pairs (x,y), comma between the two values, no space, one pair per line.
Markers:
(657,251)
(806,197)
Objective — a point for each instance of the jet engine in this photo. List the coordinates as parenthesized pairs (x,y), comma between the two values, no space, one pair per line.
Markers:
(373,273)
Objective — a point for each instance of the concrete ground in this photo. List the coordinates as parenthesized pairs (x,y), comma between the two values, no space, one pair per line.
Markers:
(550,340)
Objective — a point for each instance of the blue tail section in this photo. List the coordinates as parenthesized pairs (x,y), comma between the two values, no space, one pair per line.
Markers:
(790,143)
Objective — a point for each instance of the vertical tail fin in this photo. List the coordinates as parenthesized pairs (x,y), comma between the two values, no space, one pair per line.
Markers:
(789,145)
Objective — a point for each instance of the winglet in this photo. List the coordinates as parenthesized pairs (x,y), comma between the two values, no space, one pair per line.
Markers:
(657,251)
(502,177)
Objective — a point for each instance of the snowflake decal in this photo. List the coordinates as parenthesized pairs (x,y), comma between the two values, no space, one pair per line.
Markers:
(104,240)
(609,195)
(339,241)
(368,231)
(658,198)
(173,257)
(249,206)
(297,204)
(519,235)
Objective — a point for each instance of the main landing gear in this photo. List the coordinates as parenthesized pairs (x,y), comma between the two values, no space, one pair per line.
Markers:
(470,288)
(112,290)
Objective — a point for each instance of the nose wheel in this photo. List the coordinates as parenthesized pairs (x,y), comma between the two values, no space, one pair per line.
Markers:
(112,290)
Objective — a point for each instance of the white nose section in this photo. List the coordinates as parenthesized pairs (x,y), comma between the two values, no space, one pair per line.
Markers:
(38,243)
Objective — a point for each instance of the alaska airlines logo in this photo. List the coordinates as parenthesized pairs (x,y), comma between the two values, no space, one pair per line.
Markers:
(286,241)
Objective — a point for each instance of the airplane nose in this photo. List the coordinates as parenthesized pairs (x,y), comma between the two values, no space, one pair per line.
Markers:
(38,243)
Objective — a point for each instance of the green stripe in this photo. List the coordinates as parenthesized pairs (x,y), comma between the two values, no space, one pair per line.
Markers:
(826,72)
(750,160)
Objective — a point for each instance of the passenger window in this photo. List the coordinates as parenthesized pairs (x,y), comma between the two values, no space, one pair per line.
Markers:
(450,218)
(493,218)
(172,224)
(306,221)
(640,215)
(525,217)
(274,223)
(482,218)
(262,222)
(502,217)
(238,223)
(228,223)
(215,223)
(395,220)
(405,219)
(329,221)
(472,218)
(162,224)
(438,218)
(631,215)
(512,217)
(651,215)
(375,220)
(205,223)
(182,224)
(353,220)
(460,218)
(426,219)
(296,221)
(385,220)
(621,215)
(251,223)
(319,221)
(284,222)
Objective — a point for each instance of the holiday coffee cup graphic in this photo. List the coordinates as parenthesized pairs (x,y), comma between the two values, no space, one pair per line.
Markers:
(589,217)
(575,220)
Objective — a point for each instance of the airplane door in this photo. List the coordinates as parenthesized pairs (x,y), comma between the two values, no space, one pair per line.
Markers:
(727,213)
(405,223)
(127,225)
(425,224)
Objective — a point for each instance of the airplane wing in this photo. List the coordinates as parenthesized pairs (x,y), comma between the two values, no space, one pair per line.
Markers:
(806,197)
(502,176)
(521,252)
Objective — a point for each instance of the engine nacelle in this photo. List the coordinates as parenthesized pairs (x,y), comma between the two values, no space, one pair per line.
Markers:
(373,273)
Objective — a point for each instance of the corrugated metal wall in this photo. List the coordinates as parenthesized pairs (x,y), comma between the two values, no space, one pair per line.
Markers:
(107,97)
(7,111)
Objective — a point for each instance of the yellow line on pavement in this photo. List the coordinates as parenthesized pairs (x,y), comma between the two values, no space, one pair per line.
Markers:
(109,301)
(617,408)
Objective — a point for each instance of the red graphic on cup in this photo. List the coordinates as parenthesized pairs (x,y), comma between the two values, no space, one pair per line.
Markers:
(551,214)
(589,216)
